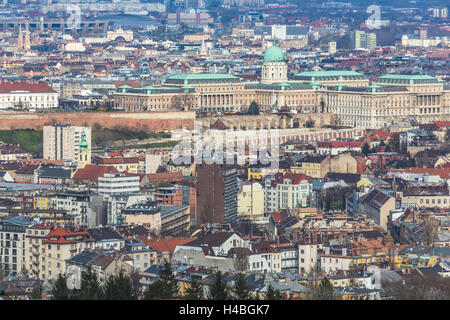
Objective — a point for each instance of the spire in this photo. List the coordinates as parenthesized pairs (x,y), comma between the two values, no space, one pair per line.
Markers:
(20,39)
(27,39)
(83,143)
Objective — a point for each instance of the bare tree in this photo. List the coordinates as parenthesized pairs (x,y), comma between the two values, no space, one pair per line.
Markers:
(207,212)
(240,260)
(430,231)
(418,287)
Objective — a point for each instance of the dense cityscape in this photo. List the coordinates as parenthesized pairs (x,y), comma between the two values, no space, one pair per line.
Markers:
(224,150)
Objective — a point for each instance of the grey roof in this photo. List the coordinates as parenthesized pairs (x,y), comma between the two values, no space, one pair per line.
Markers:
(52,172)
(166,210)
(389,275)
(102,234)
(84,258)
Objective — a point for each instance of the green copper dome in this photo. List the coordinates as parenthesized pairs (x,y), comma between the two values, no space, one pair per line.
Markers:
(83,143)
(274,54)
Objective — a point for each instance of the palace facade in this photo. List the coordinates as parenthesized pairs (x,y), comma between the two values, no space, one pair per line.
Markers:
(348,95)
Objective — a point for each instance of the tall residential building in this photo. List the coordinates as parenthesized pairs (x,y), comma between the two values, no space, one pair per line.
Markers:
(63,142)
(35,252)
(12,244)
(217,190)
(361,40)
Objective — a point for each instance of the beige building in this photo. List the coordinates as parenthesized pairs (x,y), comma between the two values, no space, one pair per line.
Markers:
(377,206)
(35,251)
(62,142)
(58,246)
(251,200)
(393,98)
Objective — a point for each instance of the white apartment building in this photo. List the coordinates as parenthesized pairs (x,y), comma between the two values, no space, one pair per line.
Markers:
(29,95)
(117,183)
(308,257)
(62,142)
(287,191)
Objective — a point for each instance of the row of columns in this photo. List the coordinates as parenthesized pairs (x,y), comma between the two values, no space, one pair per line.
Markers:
(217,100)
(428,100)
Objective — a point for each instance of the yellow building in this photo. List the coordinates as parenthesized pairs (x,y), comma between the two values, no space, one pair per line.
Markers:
(251,200)
(35,251)
(312,166)
(42,202)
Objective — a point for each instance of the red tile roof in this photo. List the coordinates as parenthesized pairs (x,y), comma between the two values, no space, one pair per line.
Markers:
(33,87)
(296,178)
(62,234)
(92,172)
(165,245)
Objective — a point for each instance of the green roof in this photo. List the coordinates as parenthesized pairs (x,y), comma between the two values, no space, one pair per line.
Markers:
(202,76)
(408,77)
(274,54)
(331,73)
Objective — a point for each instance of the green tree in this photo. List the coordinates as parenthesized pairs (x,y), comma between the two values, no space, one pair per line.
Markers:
(195,290)
(119,287)
(36,294)
(169,280)
(273,294)
(323,291)
(253,109)
(60,290)
(366,149)
(90,288)
(219,289)
(155,291)
(241,289)
(164,288)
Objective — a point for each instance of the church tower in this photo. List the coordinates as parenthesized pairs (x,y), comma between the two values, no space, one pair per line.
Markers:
(84,157)
(20,39)
(27,45)
(274,68)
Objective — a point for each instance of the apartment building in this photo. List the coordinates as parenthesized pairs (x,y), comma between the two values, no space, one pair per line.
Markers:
(35,251)
(62,142)
(59,245)
(117,183)
(12,244)
(287,191)
(251,200)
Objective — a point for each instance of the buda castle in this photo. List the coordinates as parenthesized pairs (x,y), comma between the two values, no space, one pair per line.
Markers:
(348,95)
